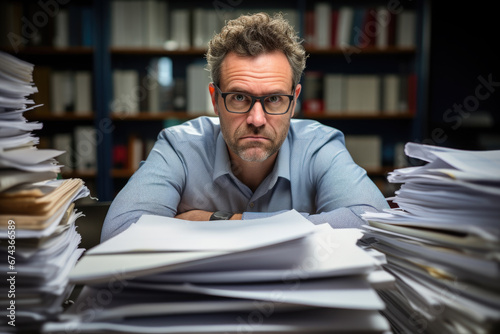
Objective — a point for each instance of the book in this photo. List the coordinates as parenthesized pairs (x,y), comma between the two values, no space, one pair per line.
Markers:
(323,24)
(309,28)
(344,29)
(366,150)
(158,84)
(83,93)
(313,102)
(334,93)
(155,23)
(357,37)
(200,26)
(61,36)
(88,23)
(117,23)
(125,99)
(165,93)
(369,28)
(363,94)
(64,142)
(85,142)
(62,92)
(334,26)
(383,18)
(120,156)
(406,29)
(199,100)
(412,93)
(135,152)
(180,29)
(390,91)
(403,93)
(179,94)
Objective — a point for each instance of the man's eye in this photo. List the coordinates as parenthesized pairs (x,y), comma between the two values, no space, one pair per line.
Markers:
(274,99)
(239,97)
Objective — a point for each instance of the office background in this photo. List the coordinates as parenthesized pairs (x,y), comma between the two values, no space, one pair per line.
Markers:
(84,61)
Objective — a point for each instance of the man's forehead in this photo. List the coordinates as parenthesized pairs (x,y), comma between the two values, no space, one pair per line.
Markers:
(266,67)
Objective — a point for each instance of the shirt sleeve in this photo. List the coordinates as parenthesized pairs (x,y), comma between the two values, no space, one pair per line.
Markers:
(155,188)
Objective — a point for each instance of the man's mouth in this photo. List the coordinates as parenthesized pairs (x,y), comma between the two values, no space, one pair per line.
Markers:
(253,137)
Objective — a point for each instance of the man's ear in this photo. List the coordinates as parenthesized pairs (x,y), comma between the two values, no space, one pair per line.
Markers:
(212,91)
(298,88)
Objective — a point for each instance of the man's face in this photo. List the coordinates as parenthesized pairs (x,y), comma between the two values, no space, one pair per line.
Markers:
(254,136)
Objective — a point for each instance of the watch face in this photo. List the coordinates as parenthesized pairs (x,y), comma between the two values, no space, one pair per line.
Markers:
(221,215)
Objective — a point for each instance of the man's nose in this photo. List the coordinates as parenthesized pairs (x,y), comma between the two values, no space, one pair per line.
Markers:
(256,115)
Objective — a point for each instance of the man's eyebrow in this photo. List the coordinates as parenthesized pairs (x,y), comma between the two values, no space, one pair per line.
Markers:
(240,90)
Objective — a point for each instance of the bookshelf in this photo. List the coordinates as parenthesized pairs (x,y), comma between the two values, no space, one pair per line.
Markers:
(105,55)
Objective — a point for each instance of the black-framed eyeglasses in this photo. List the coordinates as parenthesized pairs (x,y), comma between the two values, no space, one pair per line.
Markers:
(241,103)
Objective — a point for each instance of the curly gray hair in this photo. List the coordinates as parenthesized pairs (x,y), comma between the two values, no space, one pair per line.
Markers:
(252,35)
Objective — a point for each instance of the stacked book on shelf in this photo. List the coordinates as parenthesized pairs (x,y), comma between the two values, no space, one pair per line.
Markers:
(332,26)
(442,242)
(388,94)
(38,238)
(53,24)
(63,92)
(162,24)
(279,274)
(155,90)
(170,26)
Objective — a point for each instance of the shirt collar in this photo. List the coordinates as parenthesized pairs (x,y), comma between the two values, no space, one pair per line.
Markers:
(222,163)
(282,167)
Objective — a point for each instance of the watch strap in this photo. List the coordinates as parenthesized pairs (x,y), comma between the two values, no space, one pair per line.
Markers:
(221,215)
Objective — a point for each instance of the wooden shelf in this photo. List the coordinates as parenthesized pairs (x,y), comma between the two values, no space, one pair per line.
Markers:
(64,117)
(121,173)
(140,51)
(161,116)
(52,51)
(360,50)
(356,116)
(156,51)
(382,171)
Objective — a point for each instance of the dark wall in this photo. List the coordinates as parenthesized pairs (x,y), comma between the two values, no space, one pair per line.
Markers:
(463,108)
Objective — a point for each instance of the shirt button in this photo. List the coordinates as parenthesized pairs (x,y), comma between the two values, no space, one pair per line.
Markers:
(251,204)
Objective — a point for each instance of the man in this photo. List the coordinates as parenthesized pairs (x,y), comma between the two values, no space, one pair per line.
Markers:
(253,159)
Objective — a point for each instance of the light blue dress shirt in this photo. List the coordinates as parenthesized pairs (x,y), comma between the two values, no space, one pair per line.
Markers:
(189,168)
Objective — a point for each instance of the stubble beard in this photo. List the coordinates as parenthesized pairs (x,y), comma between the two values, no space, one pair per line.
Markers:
(254,151)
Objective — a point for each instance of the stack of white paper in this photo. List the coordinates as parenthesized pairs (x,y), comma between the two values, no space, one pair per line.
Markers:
(38,238)
(280,274)
(443,242)
(17,143)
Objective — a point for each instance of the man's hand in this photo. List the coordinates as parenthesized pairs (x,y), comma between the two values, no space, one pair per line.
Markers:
(201,215)
(197,215)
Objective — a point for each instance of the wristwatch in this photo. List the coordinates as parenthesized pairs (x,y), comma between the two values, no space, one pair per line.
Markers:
(221,215)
